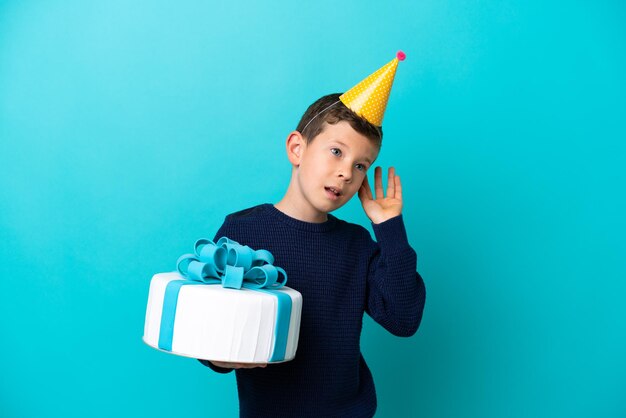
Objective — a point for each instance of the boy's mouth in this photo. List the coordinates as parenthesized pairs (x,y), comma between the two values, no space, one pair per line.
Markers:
(333,190)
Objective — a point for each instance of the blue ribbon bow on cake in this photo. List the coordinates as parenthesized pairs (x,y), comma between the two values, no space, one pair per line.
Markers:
(230,264)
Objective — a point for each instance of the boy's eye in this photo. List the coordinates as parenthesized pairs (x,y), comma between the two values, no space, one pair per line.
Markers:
(361,167)
(336,151)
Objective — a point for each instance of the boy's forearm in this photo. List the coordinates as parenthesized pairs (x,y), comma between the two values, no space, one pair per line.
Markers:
(391,234)
(397,293)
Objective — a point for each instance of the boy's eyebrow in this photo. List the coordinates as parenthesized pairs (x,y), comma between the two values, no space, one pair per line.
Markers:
(364,158)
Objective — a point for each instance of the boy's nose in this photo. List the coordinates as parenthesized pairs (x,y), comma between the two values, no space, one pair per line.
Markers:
(345,176)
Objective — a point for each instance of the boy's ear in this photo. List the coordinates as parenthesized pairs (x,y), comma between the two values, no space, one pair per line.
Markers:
(295,147)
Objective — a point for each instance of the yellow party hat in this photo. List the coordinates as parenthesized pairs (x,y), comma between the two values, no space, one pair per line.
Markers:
(369,98)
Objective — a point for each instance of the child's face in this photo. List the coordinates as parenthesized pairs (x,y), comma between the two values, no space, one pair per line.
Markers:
(333,166)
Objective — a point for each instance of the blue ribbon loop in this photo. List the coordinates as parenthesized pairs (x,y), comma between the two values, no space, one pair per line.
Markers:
(231,264)
(234,266)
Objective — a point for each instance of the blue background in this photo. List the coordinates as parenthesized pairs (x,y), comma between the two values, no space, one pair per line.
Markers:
(130,129)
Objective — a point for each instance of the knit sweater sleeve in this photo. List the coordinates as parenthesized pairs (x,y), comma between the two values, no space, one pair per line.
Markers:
(221,232)
(395,291)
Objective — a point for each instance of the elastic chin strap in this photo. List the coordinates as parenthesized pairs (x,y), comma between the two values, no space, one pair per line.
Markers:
(319,113)
(324,110)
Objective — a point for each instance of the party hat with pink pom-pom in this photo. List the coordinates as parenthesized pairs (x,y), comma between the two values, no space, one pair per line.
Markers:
(369,98)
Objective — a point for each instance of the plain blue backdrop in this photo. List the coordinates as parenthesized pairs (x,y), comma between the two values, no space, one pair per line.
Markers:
(129,129)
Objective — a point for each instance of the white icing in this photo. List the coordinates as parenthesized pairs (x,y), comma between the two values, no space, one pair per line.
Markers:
(215,323)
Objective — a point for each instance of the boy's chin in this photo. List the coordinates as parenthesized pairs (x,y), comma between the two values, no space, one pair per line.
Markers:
(331,206)
(334,207)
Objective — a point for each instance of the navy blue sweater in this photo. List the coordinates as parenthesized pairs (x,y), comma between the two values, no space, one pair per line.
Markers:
(341,273)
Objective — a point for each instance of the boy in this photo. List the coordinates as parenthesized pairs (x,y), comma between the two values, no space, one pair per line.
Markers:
(336,266)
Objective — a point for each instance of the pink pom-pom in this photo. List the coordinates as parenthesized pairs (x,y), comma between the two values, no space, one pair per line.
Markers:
(401,55)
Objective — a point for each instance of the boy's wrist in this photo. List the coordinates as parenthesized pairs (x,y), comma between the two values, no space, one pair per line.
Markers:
(391,233)
(384,218)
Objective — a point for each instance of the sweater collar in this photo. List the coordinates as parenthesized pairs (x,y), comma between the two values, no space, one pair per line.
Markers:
(328,225)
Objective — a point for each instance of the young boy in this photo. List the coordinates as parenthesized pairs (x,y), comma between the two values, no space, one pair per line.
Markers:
(336,266)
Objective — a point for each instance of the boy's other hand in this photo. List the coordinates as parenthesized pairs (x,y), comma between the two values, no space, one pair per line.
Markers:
(381,208)
(228,365)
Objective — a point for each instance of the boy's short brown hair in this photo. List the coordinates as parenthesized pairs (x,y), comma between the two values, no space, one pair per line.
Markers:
(333,111)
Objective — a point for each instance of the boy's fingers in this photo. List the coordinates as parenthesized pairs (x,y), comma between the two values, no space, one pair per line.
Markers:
(224,364)
(361,193)
(378,183)
(365,189)
(398,188)
(229,365)
(391,184)
(253,365)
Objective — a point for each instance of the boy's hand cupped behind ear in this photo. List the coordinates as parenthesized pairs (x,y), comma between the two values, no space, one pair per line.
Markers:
(381,208)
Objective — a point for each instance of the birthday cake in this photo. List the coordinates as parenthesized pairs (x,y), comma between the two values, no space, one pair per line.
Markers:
(225,303)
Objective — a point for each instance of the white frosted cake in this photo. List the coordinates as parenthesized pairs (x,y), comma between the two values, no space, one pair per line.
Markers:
(211,322)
